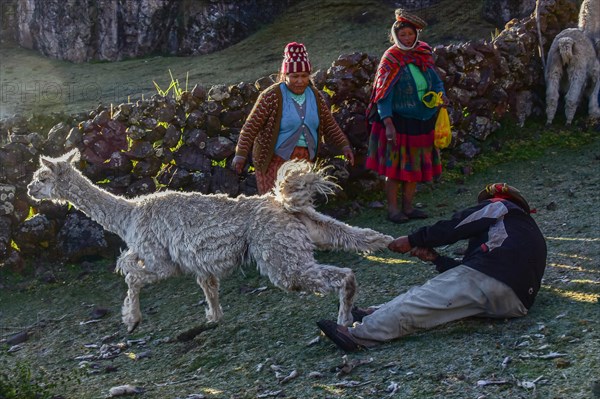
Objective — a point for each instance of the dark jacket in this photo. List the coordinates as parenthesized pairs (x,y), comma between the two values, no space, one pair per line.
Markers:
(504,242)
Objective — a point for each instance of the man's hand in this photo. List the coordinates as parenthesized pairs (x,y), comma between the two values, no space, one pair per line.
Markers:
(400,244)
(425,254)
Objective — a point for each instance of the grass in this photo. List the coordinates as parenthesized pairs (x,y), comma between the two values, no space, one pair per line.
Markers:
(267,332)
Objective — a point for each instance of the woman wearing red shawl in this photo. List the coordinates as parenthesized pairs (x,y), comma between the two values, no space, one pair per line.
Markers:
(402,126)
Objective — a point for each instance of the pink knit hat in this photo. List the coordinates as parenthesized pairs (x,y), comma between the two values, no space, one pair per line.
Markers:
(295,59)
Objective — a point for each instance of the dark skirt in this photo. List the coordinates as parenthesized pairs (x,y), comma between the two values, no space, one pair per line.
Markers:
(413,159)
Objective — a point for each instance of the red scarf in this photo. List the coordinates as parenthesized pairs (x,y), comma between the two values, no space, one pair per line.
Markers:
(392,61)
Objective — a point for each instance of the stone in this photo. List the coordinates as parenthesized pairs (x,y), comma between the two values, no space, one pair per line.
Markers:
(224,181)
(219,148)
(35,235)
(192,159)
(171,137)
(5,236)
(81,237)
(7,199)
(142,186)
(218,93)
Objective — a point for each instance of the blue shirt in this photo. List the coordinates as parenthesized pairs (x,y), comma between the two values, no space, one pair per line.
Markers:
(291,121)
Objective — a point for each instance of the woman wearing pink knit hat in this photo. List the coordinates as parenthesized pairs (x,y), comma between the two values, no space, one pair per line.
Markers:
(289,121)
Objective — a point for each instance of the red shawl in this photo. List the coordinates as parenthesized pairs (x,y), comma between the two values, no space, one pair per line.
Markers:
(392,61)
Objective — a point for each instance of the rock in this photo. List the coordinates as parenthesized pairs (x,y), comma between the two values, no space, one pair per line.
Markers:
(218,93)
(147,167)
(219,148)
(80,237)
(225,181)
(5,237)
(196,138)
(172,136)
(7,199)
(174,177)
(18,338)
(192,159)
(142,186)
(263,83)
(35,235)
(140,149)
(57,136)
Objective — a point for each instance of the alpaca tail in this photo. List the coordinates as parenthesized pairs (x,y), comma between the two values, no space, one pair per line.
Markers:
(565,47)
(297,183)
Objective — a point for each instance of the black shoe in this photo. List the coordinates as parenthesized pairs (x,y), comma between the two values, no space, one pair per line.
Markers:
(416,214)
(359,313)
(339,335)
(397,217)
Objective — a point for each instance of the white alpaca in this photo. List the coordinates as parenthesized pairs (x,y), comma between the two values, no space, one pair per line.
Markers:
(589,21)
(572,51)
(210,235)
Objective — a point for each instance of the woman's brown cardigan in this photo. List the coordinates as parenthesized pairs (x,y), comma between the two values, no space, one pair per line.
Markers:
(261,129)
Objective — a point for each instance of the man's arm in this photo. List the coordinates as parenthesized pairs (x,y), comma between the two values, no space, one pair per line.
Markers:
(463,225)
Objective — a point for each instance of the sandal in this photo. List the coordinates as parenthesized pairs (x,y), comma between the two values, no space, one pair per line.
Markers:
(416,214)
(397,217)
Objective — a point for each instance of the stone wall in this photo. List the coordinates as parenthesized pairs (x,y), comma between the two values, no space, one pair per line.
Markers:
(187,143)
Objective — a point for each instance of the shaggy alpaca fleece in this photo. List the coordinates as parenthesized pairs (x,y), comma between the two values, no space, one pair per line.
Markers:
(589,21)
(209,236)
(572,62)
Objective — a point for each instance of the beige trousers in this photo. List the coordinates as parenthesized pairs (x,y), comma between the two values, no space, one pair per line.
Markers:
(455,294)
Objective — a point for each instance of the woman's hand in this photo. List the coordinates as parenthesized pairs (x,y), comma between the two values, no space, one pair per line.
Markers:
(445,101)
(348,154)
(238,163)
(390,132)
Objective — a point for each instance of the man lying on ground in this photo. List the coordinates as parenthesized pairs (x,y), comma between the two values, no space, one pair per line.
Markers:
(499,275)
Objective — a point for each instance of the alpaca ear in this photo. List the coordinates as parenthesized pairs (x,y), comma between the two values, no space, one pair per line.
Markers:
(47,163)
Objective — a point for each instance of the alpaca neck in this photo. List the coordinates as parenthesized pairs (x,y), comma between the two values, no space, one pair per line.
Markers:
(111,212)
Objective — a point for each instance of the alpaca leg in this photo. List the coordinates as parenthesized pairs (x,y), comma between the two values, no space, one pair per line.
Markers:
(329,233)
(573,96)
(593,106)
(210,287)
(137,274)
(552,94)
(131,313)
(130,265)
(324,279)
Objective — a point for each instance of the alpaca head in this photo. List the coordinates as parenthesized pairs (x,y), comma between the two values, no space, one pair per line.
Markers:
(52,171)
(297,181)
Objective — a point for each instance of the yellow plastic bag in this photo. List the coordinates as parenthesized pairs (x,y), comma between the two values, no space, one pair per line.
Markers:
(443,136)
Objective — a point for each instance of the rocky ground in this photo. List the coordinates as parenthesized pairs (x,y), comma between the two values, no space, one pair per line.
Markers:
(62,322)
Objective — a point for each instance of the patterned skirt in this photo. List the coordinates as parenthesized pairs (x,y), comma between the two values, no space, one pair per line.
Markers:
(413,159)
(265,181)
